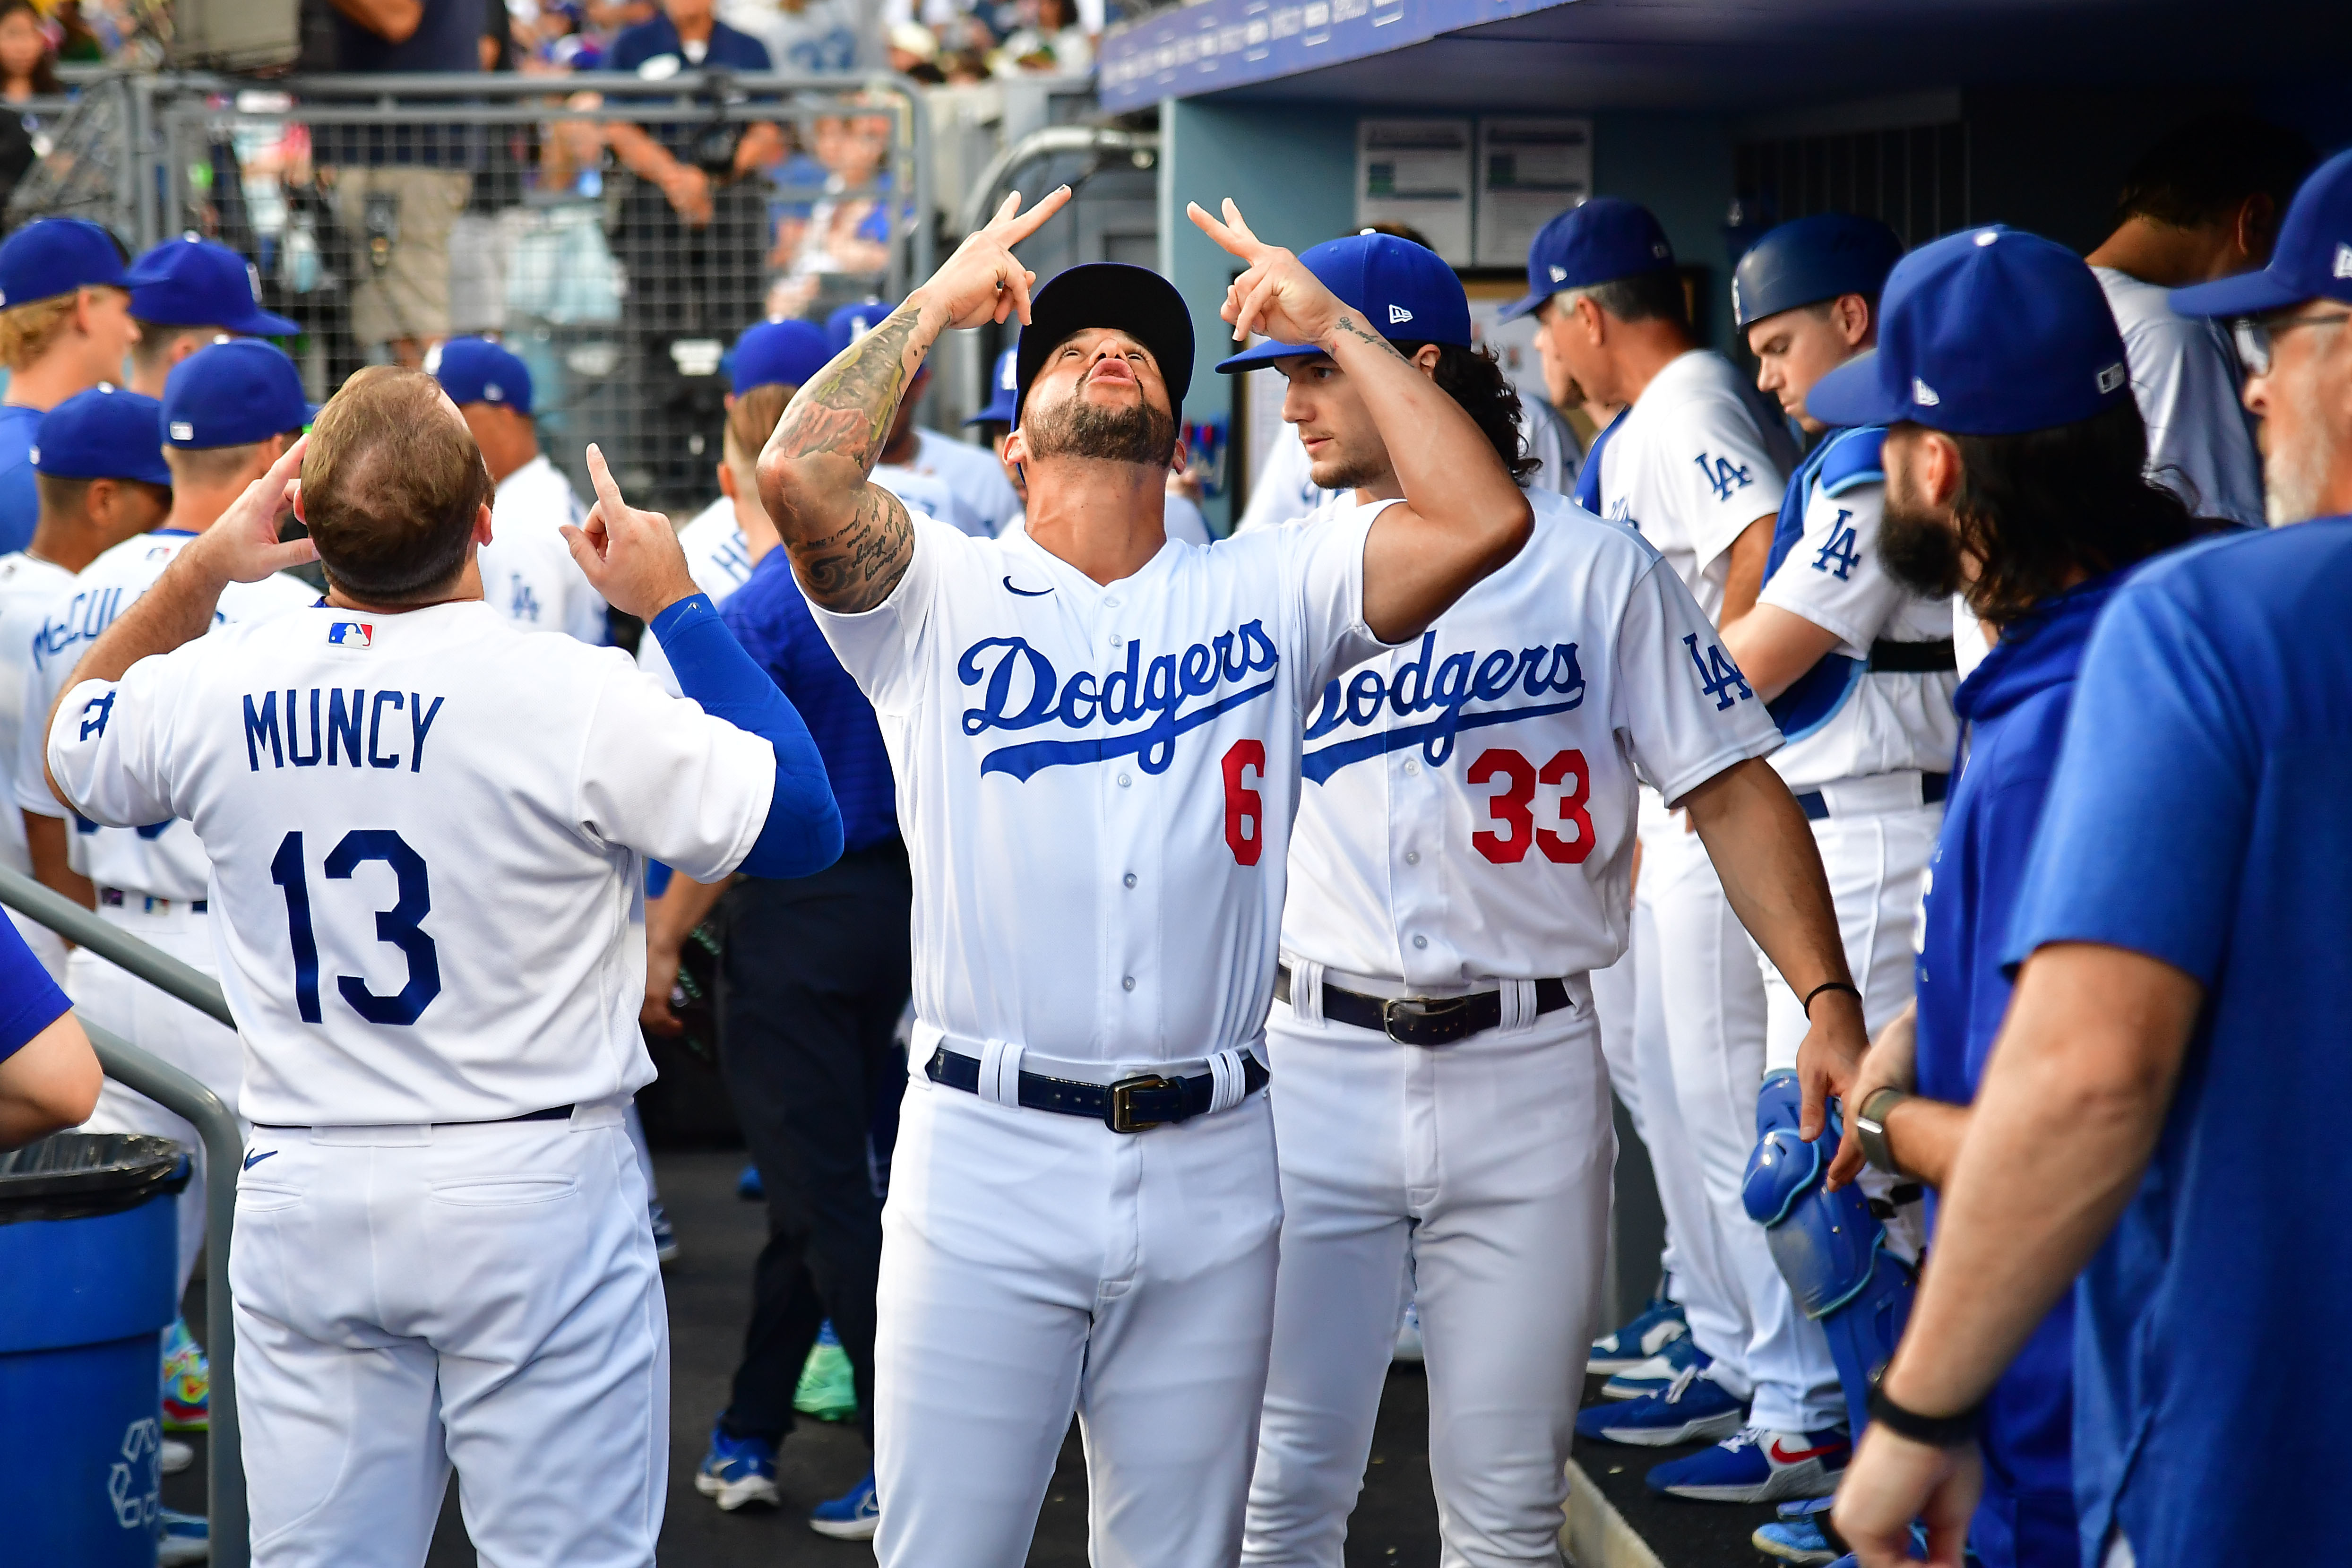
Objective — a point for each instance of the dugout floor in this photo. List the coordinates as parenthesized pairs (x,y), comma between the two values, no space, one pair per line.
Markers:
(1395,1524)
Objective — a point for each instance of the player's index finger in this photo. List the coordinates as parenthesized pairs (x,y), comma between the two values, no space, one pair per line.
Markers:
(1217,231)
(600,476)
(1034,218)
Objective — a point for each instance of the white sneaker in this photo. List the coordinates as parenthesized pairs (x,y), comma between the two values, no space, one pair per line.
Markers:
(176,1457)
(1408,1340)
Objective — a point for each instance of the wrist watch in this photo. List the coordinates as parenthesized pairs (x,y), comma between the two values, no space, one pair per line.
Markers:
(1870,1125)
(1936,1431)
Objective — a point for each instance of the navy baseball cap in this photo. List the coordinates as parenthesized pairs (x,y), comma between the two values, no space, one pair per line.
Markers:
(1989,332)
(852,322)
(1809,260)
(230,394)
(1405,290)
(1004,390)
(58,256)
(778,354)
(1597,241)
(105,433)
(2313,259)
(1116,294)
(476,370)
(191,282)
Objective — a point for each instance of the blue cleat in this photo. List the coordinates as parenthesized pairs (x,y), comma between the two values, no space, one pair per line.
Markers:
(1755,1465)
(1647,1377)
(1796,1536)
(738,1470)
(854,1515)
(1692,1408)
(1661,1323)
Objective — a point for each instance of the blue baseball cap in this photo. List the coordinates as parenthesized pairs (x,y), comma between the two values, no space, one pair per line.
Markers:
(1003,403)
(191,282)
(57,256)
(1597,241)
(1989,332)
(476,370)
(105,433)
(1405,290)
(227,395)
(852,322)
(2312,260)
(1809,260)
(778,354)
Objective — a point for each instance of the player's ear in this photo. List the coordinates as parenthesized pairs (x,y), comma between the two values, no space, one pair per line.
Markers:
(1182,455)
(726,481)
(1016,447)
(1425,358)
(482,525)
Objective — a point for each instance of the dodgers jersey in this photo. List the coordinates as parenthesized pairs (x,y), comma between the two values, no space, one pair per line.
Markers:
(1097,780)
(427,834)
(2186,379)
(1469,807)
(154,855)
(527,573)
(1851,721)
(26,586)
(1689,466)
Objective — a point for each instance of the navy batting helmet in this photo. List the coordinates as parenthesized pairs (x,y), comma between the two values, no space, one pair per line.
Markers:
(1811,259)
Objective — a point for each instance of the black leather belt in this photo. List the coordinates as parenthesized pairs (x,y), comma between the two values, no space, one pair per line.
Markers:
(1932,787)
(1913,658)
(552,1113)
(1130,1105)
(1423,1020)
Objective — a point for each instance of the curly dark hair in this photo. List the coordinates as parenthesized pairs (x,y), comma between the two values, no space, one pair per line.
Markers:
(1474,379)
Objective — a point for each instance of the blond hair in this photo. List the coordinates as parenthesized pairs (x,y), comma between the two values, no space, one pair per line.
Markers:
(749,422)
(29,332)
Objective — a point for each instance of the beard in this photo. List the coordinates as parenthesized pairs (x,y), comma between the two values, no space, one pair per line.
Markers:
(1074,428)
(1347,470)
(1918,549)
(2294,473)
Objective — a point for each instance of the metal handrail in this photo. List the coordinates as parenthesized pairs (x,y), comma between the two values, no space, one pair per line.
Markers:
(186,1098)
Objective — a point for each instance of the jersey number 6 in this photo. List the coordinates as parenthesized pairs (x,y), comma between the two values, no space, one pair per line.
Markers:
(1514,807)
(399,925)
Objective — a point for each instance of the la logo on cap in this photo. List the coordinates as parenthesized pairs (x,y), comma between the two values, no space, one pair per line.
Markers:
(1399,313)
(1923,395)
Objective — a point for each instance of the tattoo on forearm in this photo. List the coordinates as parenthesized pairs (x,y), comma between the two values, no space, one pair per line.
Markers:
(1364,334)
(854,567)
(848,410)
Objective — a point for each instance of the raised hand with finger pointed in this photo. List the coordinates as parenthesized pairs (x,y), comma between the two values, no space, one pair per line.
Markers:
(631,557)
(1276,295)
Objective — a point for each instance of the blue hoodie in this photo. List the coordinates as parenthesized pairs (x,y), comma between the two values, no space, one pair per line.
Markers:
(2013,707)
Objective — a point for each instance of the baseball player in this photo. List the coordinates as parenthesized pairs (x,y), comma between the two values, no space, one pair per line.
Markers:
(527,573)
(102,479)
(1095,735)
(186,292)
(1182,519)
(426,831)
(984,500)
(1461,860)
(65,325)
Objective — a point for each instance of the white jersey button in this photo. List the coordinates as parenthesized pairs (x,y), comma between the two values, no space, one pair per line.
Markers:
(1124,781)
(1421,942)
(1413,857)
(1127,983)
(1412,767)
(1129,879)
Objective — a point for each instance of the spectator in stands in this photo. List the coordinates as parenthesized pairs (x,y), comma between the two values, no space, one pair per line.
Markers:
(28,66)
(846,234)
(185,294)
(49,1076)
(398,189)
(806,37)
(1049,42)
(2202,203)
(65,326)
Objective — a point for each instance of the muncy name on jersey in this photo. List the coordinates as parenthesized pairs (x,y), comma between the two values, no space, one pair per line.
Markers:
(1422,682)
(336,725)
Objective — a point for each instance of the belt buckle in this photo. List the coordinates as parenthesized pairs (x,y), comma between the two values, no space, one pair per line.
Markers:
(1118,1104)
(1421,1009)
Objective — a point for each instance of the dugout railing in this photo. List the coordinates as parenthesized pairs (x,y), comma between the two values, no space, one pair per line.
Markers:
(224,1150)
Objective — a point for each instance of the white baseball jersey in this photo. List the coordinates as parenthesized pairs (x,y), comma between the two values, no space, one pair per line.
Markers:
(154,855)
(26,586)
(427,835)
(1689,468)
(1183,522)
(527,573)
(1860,721)
(2186,379)
(1097,782)
(1469,808)
(971,472)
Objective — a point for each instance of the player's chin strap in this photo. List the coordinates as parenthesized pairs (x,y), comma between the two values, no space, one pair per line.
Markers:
(1830,1246)
(1000,1072)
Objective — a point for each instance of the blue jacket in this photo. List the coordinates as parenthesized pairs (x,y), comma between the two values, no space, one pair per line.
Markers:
(2014,708)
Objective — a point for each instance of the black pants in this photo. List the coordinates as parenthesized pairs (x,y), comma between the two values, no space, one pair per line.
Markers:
(816,972)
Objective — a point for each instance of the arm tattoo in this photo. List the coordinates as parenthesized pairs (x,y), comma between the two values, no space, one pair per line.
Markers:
(1349,325)
(855,568)
(849,538)
(848,411)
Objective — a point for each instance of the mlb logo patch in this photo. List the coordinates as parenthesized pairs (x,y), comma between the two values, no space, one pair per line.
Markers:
(350,633)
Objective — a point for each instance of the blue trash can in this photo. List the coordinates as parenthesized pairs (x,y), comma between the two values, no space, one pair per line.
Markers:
(88,1264)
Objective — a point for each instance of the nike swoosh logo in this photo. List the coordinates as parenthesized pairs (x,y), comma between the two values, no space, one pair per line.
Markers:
(253,1160)
(1028,593)
(1781,1456)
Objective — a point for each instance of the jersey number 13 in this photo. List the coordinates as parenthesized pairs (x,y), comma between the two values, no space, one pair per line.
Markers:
(399,926)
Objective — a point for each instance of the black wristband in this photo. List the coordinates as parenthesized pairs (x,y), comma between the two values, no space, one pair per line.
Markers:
(1828,986)
(1936,1431)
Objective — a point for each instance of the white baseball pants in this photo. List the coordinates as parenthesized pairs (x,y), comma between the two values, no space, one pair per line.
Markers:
(1033,1264)
(1486,1165)
(1714,1026)
(414,1299)
(163,1027)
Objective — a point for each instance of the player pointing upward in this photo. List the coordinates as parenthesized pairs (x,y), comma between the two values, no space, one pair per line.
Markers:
(1095,736)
